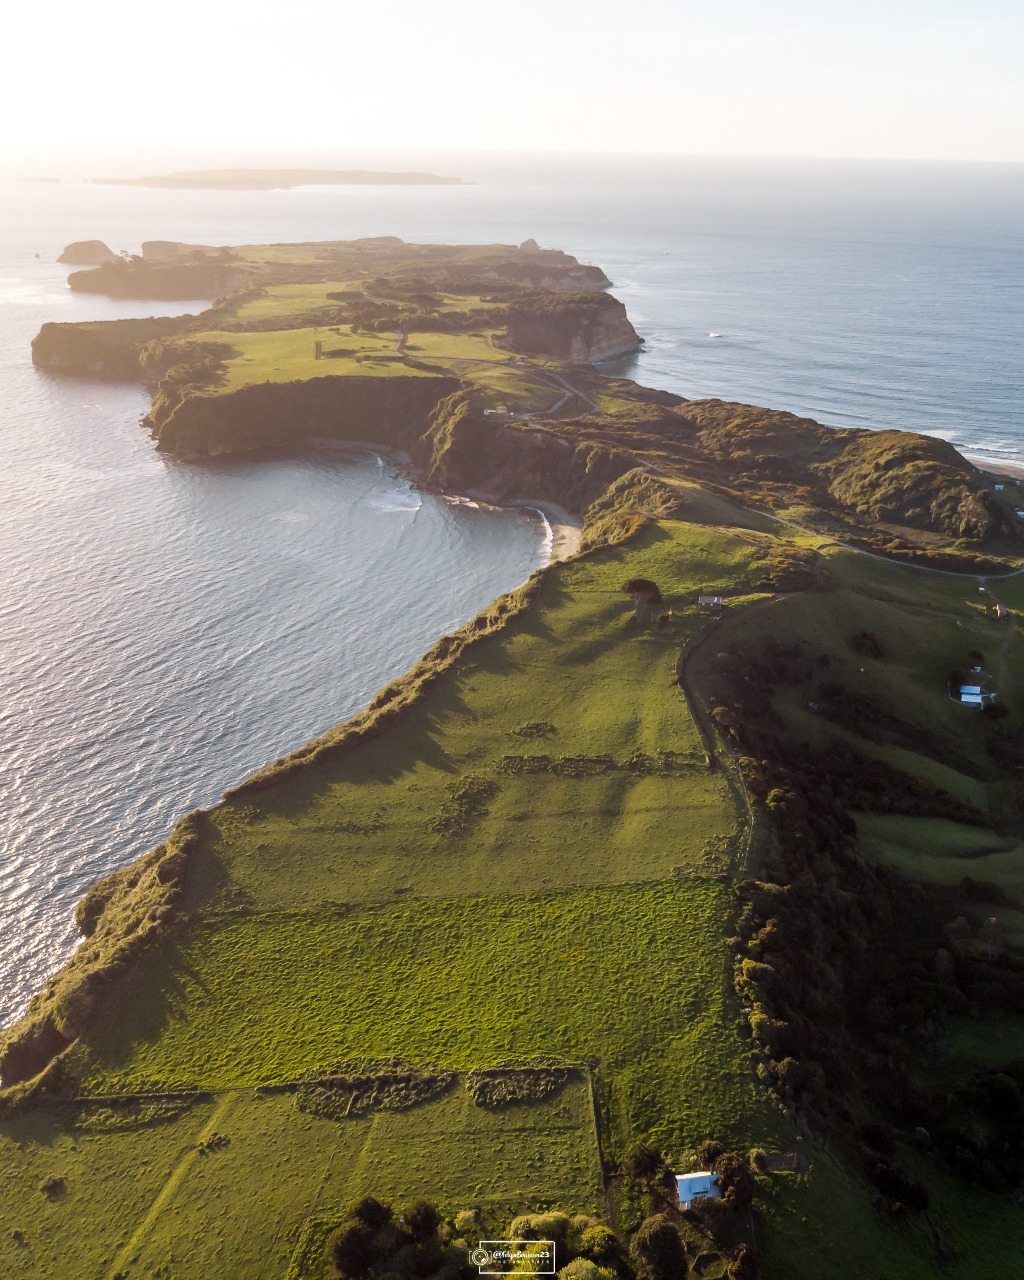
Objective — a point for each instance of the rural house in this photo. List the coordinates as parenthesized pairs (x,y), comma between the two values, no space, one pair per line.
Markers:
(691,1185)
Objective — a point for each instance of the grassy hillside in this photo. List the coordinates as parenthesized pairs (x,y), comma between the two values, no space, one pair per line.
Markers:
(733,889)
(533,861)
(339,312)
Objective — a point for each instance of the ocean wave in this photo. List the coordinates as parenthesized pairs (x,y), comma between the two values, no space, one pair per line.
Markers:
(547,545)
(396,506)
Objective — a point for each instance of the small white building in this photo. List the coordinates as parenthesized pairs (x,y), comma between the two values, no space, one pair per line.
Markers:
(691,1185)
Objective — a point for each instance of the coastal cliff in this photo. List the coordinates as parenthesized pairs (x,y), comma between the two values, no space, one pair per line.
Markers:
(581,328)
(564,783)
(109,349)
(88,253)
(393,410)
(171,281)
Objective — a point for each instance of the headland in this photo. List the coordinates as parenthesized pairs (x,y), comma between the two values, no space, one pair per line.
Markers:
(688,855)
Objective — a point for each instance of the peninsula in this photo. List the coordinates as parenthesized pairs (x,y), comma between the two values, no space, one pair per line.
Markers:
(689,856)
(279,179)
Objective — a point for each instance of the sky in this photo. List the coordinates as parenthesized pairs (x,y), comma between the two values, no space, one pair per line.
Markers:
(912,79)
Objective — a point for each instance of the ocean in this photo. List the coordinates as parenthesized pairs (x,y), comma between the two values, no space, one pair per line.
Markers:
(167,628)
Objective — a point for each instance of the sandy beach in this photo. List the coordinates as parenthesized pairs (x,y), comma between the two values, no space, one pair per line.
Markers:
(566,529)
(1004,469)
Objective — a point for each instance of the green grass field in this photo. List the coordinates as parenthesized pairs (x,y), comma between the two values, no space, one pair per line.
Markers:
(533,860)
(935,849)
(636,978)
(577,908)
(237,1209)
(822,1224)
(927,624)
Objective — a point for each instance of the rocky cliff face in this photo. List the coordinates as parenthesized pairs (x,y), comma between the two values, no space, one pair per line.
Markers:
(88,253)
(162,279)
(394,411)
(110,349)
(581,329)
(463,450)
(538,274)
(154,250)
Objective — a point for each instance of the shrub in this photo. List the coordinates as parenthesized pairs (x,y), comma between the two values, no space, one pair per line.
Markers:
(351,1251)
(585,1269)
(644,1163)
(540,1226)
(656,1250)
(494,1087)
(708,1152)
(735,1180)
(867,643)
(745,1264)
(467,1220)
(599,1244)
(422,1220)
(371,1213)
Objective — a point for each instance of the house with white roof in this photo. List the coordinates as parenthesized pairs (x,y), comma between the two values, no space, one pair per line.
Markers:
(691,1185)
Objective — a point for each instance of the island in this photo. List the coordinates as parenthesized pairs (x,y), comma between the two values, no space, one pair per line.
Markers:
(667,916)
(279,179)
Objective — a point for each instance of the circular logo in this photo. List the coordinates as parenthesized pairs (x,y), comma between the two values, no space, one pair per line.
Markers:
(480,1257)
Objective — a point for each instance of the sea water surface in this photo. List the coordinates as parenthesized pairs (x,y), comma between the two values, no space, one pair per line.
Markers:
(167,628)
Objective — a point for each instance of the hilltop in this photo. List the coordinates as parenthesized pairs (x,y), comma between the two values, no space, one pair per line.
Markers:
(613,882)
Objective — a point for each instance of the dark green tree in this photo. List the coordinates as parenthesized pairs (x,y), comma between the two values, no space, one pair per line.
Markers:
(372,1213)
(645,594)
(421,1220)
(351,1251)
(656,1250)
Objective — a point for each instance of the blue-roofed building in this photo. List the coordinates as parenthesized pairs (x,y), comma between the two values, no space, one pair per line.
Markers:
(691,1185)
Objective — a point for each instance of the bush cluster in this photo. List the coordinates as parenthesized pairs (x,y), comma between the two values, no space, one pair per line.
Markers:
(341,1096)
(465,801)
(412,1242)
(847,969)
(495,1087)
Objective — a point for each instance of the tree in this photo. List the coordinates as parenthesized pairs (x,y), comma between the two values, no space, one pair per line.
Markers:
(745,1264)
(371,1213)
(656,1250)
(735,1179)
(351,1251)
(645,594)
(421,1220)
(644,1163)
(599,1244)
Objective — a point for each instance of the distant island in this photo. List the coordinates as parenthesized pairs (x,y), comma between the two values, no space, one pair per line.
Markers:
(280,179)
(669,913)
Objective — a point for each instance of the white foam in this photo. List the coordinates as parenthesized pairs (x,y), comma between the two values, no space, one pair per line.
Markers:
(547,545)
